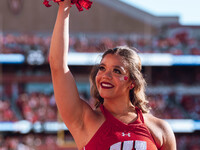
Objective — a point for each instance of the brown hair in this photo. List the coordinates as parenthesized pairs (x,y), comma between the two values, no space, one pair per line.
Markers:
(133,63)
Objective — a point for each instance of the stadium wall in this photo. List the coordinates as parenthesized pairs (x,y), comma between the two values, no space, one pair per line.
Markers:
(33,16)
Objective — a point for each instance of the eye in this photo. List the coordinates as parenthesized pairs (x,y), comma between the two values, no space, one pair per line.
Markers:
(117,71)
(101,68)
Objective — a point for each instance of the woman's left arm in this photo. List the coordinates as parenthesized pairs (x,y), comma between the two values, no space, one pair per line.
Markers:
(169,141)
(161,132)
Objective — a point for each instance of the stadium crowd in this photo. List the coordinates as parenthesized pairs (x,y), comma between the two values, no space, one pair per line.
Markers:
(6,112)
(31,142)
(37,107)
(181,43)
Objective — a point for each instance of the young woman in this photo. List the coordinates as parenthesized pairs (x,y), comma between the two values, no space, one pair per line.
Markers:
(121,119)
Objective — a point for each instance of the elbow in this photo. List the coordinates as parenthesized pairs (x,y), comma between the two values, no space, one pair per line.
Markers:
(57,64)
(54,63)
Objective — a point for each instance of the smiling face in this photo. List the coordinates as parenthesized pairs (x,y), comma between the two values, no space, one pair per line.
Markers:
(119,77)
(111,78)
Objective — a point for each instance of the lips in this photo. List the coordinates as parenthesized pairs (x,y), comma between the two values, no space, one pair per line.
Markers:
(106,85)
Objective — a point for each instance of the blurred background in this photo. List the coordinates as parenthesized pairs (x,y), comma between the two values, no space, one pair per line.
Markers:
(169,46)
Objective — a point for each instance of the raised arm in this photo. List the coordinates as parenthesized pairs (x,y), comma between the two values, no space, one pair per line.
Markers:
(78,116)
(67,98)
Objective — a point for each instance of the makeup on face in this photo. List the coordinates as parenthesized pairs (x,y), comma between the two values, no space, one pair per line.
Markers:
(124,78)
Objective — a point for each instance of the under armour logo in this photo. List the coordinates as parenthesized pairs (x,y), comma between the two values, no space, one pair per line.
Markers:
(124,134)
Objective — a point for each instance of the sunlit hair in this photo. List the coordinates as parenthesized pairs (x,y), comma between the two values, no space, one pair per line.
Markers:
(133,63)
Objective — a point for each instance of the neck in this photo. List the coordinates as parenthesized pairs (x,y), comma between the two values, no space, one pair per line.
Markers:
(118,106)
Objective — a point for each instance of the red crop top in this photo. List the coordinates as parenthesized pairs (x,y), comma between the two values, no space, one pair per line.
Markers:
(116,135)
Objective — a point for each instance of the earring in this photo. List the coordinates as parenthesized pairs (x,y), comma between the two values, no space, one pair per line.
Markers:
(132,85)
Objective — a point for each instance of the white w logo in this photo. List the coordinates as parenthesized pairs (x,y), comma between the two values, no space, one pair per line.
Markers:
(128,145)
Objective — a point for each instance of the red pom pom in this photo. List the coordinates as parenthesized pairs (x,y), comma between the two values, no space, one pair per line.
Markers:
(80,4)
(46,3)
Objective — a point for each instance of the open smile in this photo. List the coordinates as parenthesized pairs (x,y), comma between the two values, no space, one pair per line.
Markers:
(106,85)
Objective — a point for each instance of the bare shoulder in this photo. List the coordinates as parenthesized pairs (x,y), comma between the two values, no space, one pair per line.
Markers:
(161,131)
(158,123)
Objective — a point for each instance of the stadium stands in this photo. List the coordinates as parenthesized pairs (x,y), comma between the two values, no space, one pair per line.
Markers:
(181,43)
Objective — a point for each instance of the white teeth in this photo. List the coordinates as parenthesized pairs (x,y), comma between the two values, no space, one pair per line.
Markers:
(106,85)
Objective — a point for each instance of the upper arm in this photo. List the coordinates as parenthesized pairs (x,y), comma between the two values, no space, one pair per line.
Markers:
(169,142)
(161,132)
(70,106)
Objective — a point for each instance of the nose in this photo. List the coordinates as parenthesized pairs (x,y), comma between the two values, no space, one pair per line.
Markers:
(107,74)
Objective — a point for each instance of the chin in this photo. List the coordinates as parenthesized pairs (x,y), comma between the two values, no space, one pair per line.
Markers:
(107,96)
